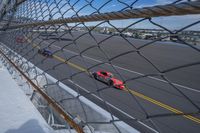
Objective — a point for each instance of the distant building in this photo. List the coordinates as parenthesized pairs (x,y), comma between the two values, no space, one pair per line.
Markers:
(128,34)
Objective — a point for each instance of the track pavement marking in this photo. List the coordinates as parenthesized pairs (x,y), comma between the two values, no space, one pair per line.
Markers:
(124,113)
(197,120)
(140,95)
(69,63)
(114,107)
(185,87)
(61,59)
(131,71)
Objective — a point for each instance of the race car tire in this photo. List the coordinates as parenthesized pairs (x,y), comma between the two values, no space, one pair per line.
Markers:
(94,75)
(110,83)
(39,51)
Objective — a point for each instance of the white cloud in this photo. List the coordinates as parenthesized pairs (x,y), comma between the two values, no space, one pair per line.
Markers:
(162,2)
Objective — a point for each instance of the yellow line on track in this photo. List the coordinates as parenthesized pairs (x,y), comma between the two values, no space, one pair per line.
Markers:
(151,100)
(165,106)
(60,59)
(69,63)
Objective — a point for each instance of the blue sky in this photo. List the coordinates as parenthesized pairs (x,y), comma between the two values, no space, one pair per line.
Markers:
(174,22)
(102,5)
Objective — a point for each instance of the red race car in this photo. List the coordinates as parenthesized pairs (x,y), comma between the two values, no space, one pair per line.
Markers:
(20,39)
(108,78)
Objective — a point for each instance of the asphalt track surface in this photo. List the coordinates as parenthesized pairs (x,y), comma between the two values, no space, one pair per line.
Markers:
(159,99)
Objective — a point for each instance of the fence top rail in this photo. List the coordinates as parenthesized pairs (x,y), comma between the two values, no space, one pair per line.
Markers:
(184,8)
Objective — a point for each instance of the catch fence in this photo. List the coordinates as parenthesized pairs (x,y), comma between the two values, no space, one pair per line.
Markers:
(152,50)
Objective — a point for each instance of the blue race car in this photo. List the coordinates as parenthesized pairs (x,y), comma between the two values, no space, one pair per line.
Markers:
(45,52)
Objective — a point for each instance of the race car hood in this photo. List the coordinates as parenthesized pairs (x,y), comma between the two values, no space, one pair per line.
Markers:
(116,81)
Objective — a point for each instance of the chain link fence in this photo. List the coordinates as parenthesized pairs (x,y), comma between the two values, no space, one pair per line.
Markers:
(151,49)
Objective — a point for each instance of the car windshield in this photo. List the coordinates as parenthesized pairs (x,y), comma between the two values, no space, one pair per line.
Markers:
(107,74)
(46,50)
(104,73)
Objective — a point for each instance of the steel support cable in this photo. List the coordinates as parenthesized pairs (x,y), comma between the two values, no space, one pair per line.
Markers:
(51,101)
(183,8)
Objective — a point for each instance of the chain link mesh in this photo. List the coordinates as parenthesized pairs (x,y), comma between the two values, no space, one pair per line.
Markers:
(156,59)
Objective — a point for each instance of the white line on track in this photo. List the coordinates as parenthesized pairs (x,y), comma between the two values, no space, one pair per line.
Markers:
(114,107)
(185,87)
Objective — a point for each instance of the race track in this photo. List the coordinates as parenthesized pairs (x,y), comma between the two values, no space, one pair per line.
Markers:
(150,96)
